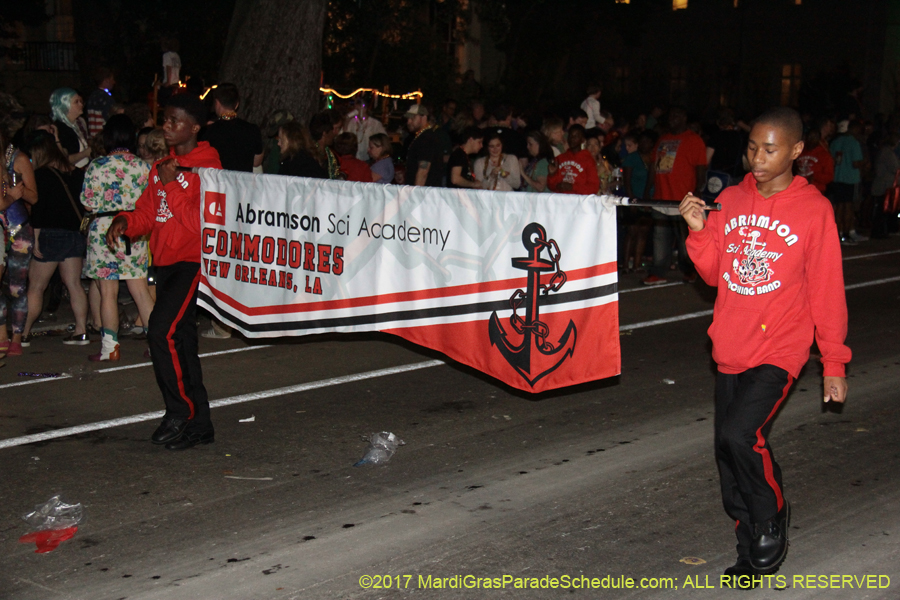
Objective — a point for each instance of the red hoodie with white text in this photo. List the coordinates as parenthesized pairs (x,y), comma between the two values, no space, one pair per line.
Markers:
(577,168)
(777,265)
(171,213)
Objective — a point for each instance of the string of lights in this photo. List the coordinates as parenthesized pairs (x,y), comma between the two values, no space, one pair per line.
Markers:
(329,91)
(409,96)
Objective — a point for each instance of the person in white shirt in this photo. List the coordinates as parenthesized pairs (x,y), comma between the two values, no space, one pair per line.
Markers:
(360,123)
(591,106)
(171,63)
(497,171)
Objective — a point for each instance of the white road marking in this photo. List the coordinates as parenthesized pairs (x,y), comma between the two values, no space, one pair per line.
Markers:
(650,287)
(855,286)
(303,387)
(673,283)
(125,367)
(292,389)
(702,313)
(871,255)
(208,354)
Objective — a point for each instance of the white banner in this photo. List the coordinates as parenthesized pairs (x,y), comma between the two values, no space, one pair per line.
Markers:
(520,286)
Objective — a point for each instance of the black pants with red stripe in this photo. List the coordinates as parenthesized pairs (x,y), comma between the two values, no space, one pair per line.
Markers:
(172,336)
(746,404)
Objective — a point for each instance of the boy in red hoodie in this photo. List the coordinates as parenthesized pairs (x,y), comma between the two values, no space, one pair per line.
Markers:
(574,171)
(774,254)
(816,163)
(169,210)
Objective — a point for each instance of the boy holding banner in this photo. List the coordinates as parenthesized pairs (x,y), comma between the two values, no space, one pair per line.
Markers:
(774,254)
(169,210)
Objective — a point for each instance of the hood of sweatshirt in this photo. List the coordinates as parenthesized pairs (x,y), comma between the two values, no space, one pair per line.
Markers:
(798,187)
(203,155)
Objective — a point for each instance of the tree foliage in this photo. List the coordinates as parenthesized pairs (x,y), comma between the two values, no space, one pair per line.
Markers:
(554,50)
(406,44)
(27,12)
(127,36)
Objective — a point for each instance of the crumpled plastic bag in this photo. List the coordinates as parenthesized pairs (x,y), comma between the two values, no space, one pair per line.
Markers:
(54,514)
(381,448)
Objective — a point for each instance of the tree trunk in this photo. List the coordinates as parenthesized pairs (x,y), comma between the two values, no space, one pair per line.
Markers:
(274,56)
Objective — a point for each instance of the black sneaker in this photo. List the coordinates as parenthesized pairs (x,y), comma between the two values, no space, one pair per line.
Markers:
(191,438)
(770,542)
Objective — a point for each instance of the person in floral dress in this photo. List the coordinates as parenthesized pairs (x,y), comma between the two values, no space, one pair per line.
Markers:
(113,183)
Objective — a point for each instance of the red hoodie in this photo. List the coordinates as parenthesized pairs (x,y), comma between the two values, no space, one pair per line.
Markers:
(817,166)
(777,264)
(171,213)
(355,169)
(577,168)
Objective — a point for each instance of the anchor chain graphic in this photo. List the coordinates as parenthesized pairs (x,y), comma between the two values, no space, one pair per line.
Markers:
(535,356)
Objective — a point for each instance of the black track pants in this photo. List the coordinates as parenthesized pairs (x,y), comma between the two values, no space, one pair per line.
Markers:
(172,336)
(746,404)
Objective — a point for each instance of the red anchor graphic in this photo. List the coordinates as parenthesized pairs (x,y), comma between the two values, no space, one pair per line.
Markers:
(534,359)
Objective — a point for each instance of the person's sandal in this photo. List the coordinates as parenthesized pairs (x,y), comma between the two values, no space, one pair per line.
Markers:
(77,339)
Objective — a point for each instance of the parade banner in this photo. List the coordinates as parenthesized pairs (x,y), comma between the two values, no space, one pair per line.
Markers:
(520,286)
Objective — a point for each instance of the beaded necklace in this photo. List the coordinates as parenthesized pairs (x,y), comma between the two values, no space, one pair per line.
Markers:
(10,150)
(423,130)
(332,164)
(362,124)
(228,115)
(488,163)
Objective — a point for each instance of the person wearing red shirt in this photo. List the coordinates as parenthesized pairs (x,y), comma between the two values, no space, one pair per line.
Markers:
(574,171)
(169,210)
(678,167)
(345,146)
(774,255)
(815,162)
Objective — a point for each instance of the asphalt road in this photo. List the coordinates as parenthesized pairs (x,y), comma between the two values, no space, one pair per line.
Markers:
(612,480)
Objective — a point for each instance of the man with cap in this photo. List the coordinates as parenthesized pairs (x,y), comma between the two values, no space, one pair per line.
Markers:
(425,158)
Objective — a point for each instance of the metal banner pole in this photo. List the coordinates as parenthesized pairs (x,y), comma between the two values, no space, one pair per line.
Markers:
(623,201)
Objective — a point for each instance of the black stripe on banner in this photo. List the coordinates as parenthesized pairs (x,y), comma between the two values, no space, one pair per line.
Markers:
(413,315)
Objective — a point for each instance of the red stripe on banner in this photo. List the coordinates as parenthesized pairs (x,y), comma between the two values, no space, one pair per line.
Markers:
(171,341)
(445,292)
(760,448)
(594,348)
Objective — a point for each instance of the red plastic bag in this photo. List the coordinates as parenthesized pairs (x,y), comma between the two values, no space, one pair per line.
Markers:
(48,540)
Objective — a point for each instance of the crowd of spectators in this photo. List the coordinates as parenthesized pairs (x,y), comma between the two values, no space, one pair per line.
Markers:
(660,155)
(68,172)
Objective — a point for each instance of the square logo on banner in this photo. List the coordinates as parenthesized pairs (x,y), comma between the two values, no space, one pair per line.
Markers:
(214,213)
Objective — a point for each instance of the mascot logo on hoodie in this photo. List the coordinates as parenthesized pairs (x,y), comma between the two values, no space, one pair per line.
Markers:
(754,269)
(163,213)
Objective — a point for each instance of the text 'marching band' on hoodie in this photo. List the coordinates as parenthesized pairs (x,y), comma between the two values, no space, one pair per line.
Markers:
(777,266)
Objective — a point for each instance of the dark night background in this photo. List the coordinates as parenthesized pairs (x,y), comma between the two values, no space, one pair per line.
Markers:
(537,55)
